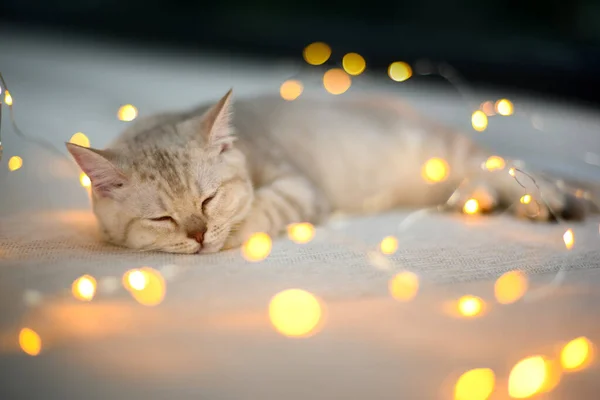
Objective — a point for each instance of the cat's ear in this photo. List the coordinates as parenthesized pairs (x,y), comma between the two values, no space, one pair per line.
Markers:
(216,123)
(96,164)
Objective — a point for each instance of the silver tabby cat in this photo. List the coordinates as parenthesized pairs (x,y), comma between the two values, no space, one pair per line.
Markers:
(204,180)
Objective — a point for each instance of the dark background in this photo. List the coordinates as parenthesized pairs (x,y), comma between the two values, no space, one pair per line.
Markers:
(550,47)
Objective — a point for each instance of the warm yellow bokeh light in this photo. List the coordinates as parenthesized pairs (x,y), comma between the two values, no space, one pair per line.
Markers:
(153,286)
(476,384)
(404,286)
(8,98)
(495,163)
(80,139)
(471,207)
(569,239)
(576,354)
(479,121)
(488,108)
(295,313)
(512,172)
(435,170)
(291,89)
(470,306)
(84,288)
(257,247)
(30,342)
(528,377)
(354,63)
(135,279)
(504,107)
(14,163)
(317,53)
(336,81)
(85,180)
(510,287)
(127,113)
(388,245)
(301,233)
(399,71)
(526,199)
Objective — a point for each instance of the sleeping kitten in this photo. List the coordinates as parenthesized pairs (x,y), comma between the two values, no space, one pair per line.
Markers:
(204,180)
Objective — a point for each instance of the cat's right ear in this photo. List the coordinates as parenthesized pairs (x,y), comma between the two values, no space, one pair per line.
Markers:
(103,174)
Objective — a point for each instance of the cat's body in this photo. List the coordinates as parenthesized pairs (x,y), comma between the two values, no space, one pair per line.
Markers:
(179,182)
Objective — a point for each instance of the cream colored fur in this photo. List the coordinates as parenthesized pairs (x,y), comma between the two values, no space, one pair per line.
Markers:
(204,180)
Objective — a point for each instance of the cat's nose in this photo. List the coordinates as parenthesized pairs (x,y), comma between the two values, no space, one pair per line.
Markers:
(198,236)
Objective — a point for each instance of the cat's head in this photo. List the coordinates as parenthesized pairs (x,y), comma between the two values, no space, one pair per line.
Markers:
(181,189)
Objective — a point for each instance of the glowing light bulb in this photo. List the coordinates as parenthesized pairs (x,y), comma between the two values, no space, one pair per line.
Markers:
(135,279)
(354,63)
(147,286)
(527,377)
(510,287)
(30,342)
(14,163)
(317,53)
(504,107)
(471,207)
(526,199)
(295,313)
(512,172)
(291,89)
(435,170)
(85,180)
(388,245)
(80,139)
(576,354)
(495,163)
(84,288)
(8,98)
(476,384)
(479,121)
(569,239)
(404,286)
(127,113)
(399,71)
(470,306)
(336,81)
(301,233)
(257,247)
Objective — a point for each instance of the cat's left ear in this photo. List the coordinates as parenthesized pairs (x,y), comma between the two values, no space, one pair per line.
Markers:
(216,124)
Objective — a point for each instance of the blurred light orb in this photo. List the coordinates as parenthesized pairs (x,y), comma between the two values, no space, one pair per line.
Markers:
(127,113)
(8,98)
(14,163)
(84,288)
(470,306)
(488,108)
(510,287)
(295,313)
(504,107)
(135,279)
(476,384)
(495,163)
(569,239)
(152,293)
(471,207)
(336,81)
(576,354)
(354,63)
(257,247)
(435,170)
(512,172)
(399,71)
(317,53)
(30,342)
(301,233)
(291,89)
(388,245)
(527,377)
(80,139)
(404,286)
(526,199)
(85,180)
(479,121)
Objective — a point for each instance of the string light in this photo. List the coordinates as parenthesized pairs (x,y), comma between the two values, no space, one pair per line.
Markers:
(135,279)
(569,239)
(301,233)
(291,89)
(476,384)
(494,163)
(479,121)
(257,247)
(317,53)
(80,139)
(353,63)
(148,291)
(471,207)
(470,306)
(510,287)
(336,81)
(399,71)
(435,170)
(15,163)
(84,288)
(30,342)
(85,180)
(526,199)
(504,107)
(295,313)
(576,354)
(527,377)
(8,99)
(127,113)
(404,286)
(388,245)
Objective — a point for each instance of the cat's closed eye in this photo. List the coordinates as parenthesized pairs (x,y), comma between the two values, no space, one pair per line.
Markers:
(206,201)
(164,218)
